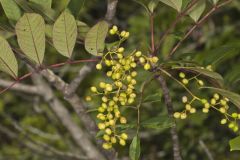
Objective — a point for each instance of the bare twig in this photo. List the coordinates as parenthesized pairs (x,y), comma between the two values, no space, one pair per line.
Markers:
(215,7)
(77,104)
(168,102)
(24,143)
(43,146)
(82,74)
(206,150)
(20,87)
(111,10)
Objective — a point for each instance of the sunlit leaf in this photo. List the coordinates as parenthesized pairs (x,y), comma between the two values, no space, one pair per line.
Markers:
(30,30)
(8,62)
(11,9)
(160,122)
(65,34)
(95,38)
(198,10)
(235,144)
(135,149)
(43,3)
(176,4)
(233,97)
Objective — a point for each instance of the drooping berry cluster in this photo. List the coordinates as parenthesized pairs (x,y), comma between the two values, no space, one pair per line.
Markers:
(217,103)
(121,90)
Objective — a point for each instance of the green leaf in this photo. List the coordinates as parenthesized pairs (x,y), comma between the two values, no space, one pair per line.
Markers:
(8,62)
(218,55)
(75,6)
(43,3)
(205,72)
(112,45)
(95,38)
(235,144)
(30,30)
(6,34)
(160,122)
(48,30)
(83,29)
(168,44)
(126,126)
(153,97)
(100,133)
(65,34)
(176,4)
(152,5)
(198,10)
(214,1)
(233,97)
(143,3)
(135,149)
(11,9)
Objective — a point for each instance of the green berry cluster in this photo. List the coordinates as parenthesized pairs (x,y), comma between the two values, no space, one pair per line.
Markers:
(215,103)
(121,91)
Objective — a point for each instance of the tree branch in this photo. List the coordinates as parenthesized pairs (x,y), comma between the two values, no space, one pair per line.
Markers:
(111,10)
(168,102)
(82,74)
(80,137)
(78,105)
(20,87)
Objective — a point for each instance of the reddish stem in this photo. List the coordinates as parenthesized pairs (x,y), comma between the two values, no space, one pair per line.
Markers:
(174,23)
(215,7)
(44,68)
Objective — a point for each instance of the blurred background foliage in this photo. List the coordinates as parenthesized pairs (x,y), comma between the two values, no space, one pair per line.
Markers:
(215,43)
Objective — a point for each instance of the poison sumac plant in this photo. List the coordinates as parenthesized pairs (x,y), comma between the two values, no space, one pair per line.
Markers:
(119,90)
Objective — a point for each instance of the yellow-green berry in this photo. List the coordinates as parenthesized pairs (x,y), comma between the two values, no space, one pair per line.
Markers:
(99,66)
(176,115)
